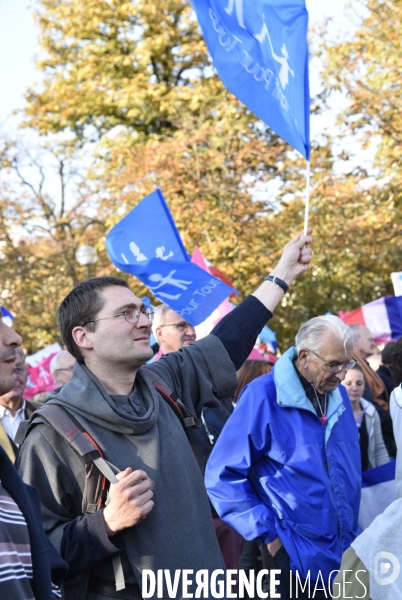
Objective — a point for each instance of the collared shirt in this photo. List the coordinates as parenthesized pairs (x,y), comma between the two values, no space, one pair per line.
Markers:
(11,423)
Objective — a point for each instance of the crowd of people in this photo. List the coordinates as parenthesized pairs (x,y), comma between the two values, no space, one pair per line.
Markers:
(196,456)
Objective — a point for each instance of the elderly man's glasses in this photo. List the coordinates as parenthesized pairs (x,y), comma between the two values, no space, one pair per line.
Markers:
(181,326)
(336,367)
(130,314)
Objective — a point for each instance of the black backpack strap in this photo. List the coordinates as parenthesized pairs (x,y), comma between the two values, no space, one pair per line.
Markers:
(71,431)
(185,416)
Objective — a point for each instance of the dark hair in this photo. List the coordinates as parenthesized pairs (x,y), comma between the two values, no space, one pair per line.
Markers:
(395,366)
(357,367)
(82,304)
(387,353)
(249,371)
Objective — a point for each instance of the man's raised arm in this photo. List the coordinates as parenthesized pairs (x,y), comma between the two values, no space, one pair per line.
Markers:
(239,329)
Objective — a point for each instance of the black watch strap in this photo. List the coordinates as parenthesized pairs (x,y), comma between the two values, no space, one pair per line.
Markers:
(278,281)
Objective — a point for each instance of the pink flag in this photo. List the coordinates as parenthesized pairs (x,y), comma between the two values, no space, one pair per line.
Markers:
(223,309)
(40,378)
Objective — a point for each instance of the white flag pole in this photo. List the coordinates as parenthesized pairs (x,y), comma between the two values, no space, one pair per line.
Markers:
(307,206)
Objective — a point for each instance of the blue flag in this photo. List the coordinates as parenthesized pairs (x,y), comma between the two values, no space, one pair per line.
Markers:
(259,48)
(147,244)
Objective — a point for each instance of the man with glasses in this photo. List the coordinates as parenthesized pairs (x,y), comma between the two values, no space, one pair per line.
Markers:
(28,562)
(292,477)
(172,332)
(61,367)
(157,515)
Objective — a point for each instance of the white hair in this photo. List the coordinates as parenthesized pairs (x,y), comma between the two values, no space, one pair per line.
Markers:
(55,362)
(159,316)
(311,334)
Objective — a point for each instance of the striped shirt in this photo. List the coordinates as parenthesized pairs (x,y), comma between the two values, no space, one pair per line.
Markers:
(15,551)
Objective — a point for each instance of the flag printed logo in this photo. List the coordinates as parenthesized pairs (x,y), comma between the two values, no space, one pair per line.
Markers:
(147,244)
(259,48)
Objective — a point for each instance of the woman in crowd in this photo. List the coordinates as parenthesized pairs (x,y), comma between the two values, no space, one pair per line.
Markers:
(372,447)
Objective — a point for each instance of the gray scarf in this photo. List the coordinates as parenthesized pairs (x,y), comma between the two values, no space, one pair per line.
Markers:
(178,533)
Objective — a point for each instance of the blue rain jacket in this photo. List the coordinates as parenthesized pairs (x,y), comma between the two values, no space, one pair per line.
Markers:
(276,470)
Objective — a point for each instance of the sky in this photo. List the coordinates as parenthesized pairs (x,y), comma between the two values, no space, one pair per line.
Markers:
(19,47)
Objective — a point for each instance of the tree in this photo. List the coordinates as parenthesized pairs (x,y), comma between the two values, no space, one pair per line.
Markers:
(39,234)
(367,69)
(139,65)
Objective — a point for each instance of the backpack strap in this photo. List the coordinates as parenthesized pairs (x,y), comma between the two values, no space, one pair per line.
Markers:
(86,448)
(185,416)
(88,452)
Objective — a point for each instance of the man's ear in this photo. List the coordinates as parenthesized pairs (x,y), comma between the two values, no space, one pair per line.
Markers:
(158,333)
(302,357)
(81,338)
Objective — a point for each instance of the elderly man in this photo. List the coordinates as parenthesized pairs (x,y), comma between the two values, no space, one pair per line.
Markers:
(172,332)
(28,562)
(158,514)
(286,468)
(14,408)
(62,366)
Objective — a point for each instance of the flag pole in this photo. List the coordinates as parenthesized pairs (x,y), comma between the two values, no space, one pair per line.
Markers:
(307,206)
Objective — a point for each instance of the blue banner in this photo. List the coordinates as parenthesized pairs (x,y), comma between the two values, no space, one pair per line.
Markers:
(147,244)
(259,48)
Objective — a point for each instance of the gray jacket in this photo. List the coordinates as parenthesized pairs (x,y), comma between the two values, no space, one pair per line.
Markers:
(178,533)
(377,452)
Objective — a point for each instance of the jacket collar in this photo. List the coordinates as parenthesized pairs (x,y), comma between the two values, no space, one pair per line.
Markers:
(367,407)
(290,392)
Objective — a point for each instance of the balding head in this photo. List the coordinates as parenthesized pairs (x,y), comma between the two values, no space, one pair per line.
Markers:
(171,330)
(61,367)
(363,341)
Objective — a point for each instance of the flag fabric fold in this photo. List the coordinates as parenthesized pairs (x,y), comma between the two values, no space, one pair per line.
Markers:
(378,492)
(147,244)
(259,48)
(383,317)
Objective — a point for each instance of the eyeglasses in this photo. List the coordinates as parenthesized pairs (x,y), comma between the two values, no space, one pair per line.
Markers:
(130,314)
(66,368)
(181,326)
(336,368)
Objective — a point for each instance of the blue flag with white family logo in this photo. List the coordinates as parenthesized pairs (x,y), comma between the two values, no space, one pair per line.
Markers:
(147,244)
(259,48)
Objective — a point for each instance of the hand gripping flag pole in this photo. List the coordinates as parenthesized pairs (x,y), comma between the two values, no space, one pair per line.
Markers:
(259,49)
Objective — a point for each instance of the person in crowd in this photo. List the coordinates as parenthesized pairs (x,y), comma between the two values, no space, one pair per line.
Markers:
(286,468)
(372,447)
(158,514)
(61,367)
(172,332)
(383,370)
(370,568)
(251,370)
(395,366)
(374,390)
(14,408)
(28,561)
